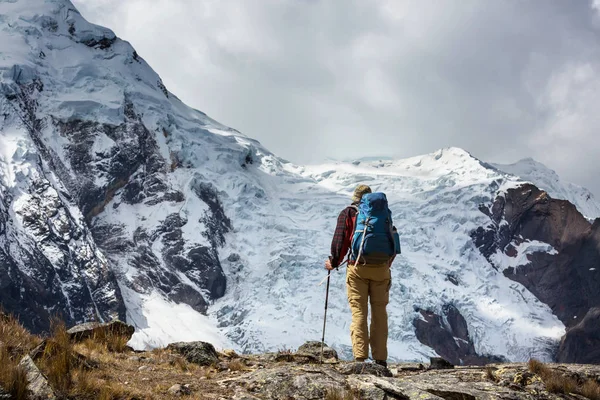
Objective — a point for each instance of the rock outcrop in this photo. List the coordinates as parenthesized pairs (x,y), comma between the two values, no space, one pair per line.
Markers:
(566,278)
(37,383)
(581,344)
(448,335)
(96,329)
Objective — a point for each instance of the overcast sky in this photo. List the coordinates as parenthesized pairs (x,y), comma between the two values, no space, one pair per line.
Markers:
(311,79)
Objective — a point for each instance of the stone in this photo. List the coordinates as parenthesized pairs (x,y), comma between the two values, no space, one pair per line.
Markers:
(87,330)
(201,353)
(363,368)
(180,390)
(439,363)
(230,353)
(313,348)
(37,383)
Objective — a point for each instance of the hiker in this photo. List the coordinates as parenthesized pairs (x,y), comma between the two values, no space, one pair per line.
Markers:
(368,276)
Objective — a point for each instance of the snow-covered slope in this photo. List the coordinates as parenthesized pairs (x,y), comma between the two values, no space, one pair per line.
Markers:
(435,200)
(204,234)
(546,179)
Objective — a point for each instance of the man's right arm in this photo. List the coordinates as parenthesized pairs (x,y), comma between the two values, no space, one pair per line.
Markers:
(339,245)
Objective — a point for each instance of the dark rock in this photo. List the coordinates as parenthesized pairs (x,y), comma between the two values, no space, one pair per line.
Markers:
(567,281)
(96,329)
(440,363)
(314,349)
(37,382)
(449,336)
(200,353)
(363,368)
(563,281)
(581,343)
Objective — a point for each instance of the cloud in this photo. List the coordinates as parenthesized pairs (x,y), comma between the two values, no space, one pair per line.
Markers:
(313,79)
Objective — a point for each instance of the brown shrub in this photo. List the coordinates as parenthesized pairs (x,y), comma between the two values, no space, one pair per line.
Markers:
(538,367)
(237,365)
(341,394)
(12,377)
(57,360)
(489,373)
(15,342)
(181,363)
(110,340)
(591,390)
(558,383)
(16,339)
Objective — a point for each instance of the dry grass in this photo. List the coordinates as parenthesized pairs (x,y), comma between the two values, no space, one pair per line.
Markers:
(15,342)
(591,390)
(341,394)
(237,365)
(537,367)
(57,360)
(89,386)
(106,341)
(558,382)
(182,364)
(489,373)
(285,354)
(12,377)
(16,339)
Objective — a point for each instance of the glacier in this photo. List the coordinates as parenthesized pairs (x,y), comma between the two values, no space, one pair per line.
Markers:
(193,231)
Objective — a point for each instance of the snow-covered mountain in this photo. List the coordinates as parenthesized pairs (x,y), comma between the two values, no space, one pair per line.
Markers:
(546,179)
(116,199)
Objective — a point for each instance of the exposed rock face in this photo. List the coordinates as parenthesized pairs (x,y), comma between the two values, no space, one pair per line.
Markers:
(567,278)
(49,262)
(581,344)
(448,335)
(567,281)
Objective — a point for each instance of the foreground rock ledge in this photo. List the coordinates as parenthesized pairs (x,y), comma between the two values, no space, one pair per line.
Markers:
(315,381)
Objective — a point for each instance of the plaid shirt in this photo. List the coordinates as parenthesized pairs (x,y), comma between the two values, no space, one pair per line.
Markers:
(342,238)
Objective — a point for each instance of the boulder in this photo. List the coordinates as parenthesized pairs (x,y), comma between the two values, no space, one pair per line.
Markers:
(37,383)
(87,330)
(201,353)
(180,390)
(439,363)
(313,349)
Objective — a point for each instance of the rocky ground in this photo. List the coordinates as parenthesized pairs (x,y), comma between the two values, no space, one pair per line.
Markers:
(93,362)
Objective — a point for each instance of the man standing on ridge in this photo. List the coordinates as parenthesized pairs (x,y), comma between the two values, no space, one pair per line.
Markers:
(368,276)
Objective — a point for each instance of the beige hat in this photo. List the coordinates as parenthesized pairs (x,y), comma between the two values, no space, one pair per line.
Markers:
(359,192)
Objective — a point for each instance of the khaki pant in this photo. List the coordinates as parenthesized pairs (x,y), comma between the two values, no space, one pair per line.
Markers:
(369,283)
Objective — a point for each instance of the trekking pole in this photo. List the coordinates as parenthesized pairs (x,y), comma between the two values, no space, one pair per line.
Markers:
(325,317)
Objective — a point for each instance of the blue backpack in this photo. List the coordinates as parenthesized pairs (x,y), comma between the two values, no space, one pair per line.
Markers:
(375,240)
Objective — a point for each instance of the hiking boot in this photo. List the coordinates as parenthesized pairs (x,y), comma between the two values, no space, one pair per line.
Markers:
(360,360)
(381,362)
